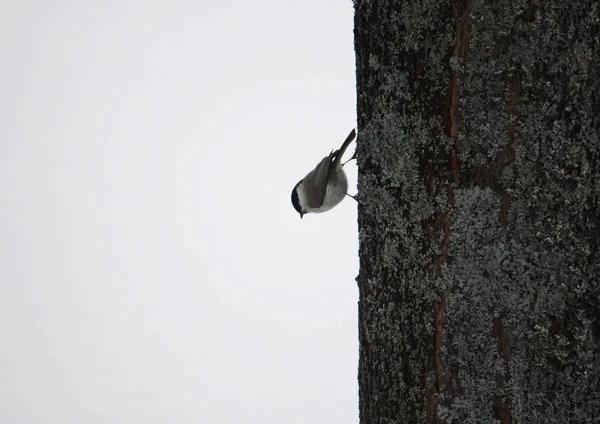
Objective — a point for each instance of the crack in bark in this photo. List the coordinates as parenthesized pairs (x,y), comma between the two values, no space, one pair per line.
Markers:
(507,155)
(501,402)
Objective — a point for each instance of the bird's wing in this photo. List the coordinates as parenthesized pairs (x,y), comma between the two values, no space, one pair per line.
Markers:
(316,181)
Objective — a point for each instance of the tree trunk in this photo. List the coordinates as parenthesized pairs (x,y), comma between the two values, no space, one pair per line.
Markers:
(479,210)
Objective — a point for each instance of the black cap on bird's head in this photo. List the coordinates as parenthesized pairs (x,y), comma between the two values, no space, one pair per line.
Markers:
(295,200)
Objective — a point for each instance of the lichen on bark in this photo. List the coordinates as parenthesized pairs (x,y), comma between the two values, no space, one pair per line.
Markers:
(479,212)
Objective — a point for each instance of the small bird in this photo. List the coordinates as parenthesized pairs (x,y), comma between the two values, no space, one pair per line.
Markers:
(325,186)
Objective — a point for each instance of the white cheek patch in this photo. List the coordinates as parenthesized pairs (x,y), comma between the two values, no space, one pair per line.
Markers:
(302,198)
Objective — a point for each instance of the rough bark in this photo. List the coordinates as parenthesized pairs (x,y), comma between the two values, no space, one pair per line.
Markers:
(479,210)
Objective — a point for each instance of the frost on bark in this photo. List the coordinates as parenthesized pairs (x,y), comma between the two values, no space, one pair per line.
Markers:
(479,212)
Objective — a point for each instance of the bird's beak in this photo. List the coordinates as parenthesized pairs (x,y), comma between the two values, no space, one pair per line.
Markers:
(301,215)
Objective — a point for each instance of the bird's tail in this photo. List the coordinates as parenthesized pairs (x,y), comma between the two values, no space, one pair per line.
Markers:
(340,152)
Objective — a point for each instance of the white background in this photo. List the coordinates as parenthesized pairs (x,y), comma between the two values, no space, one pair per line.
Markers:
(152,268)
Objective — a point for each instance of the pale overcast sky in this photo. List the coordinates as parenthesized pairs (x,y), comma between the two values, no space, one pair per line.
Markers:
(152,267)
